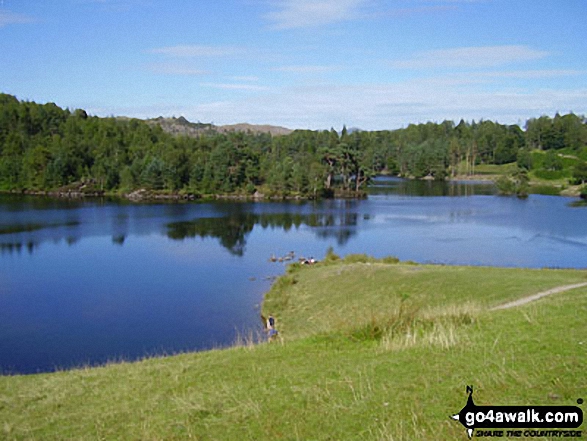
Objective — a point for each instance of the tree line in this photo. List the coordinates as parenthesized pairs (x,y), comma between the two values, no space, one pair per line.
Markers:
(45,147)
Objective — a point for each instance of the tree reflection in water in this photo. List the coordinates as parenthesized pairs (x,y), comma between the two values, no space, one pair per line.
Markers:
(232,230)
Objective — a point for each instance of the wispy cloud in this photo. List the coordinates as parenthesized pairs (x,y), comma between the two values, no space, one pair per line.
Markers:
(494,77)
(534,74)
(306,69)
(194,51)
(246,78)
(470,57)
(176,69)
(370,106)
(8,18)
(295,14)
(235,86)
(382,106)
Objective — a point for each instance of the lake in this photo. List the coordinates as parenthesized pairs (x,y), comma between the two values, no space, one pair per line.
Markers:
(88,282)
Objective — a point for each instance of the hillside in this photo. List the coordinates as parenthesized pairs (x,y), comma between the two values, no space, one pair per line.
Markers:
(181,126)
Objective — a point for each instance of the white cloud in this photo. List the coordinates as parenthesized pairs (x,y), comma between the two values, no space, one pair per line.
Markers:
(373,106)
(533,74)
(8,18)
(492,77)
(382,106)
(247,78)
(470,57)
(235,86)
(194,51)
(294,14)
(175,69)
(306,69)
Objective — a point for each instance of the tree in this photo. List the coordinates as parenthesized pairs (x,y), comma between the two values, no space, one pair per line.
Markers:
(552,161)
(517,183)
(580,173)
(524,159)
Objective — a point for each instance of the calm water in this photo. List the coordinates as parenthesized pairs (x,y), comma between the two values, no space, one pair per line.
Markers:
(88,282)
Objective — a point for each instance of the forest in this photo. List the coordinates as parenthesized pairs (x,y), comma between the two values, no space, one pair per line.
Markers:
(44,147)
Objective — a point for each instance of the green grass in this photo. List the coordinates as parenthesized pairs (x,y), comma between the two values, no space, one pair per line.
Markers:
(487,169)
(370,351)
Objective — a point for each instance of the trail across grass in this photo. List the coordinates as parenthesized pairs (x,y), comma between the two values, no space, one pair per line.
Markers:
(534,297)
(370,351)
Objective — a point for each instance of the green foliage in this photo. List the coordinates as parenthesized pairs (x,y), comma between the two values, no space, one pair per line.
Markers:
(550,190)
(551,175)
(43,147)
(552,161)
(331,256)
(390,260)
(524,159)
(517,183)
(358,258)
(580,172)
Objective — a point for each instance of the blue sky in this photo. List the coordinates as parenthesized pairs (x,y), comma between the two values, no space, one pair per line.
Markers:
(313,64)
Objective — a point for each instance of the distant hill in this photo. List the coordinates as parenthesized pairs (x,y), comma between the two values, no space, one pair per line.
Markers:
(181,126)
(244,127)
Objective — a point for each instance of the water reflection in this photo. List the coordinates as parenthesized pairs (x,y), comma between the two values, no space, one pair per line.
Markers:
(88,281)
(233,229)
(17,247)
(29,227)
(119,239)
(409,187)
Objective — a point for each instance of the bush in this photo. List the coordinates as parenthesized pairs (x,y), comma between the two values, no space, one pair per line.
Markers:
(505,185)
(358,258)
(580,173)
(549,190)
(516,183)
(331,256)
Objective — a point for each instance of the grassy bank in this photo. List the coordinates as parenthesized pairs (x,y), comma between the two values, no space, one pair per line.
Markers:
(370,350)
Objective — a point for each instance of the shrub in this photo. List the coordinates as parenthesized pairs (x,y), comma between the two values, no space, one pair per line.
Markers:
(331,256)
(516,183)
(549,190)
(358,258)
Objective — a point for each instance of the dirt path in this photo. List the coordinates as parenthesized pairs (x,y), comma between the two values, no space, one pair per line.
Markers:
(534,297)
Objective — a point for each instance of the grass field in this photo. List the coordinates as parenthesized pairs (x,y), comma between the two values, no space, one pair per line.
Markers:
(369,351)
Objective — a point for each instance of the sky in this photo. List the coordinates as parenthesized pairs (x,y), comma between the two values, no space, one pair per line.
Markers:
(301,64)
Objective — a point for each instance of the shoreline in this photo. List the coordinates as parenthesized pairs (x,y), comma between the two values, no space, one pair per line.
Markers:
(289,279)
(377,356)
(143,195)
